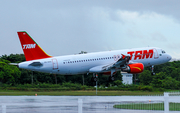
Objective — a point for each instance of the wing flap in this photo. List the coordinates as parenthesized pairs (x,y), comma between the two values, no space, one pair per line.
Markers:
(120,64)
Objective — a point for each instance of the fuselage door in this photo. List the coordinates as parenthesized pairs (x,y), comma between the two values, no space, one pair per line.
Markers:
(156,55)
(55,63)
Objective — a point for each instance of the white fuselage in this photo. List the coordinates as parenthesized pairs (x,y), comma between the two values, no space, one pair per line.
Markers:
(83,63)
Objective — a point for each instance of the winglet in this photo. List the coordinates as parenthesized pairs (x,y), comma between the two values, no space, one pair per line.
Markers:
(31,49)
(123,56)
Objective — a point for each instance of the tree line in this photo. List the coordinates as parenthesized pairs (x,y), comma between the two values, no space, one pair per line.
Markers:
(12,75)
(167,76)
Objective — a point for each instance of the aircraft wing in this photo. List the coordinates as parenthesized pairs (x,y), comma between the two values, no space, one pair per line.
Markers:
(120,64)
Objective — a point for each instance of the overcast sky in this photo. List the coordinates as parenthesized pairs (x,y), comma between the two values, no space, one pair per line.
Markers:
(63,27)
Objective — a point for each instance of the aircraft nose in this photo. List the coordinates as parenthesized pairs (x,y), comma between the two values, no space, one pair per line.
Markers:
(169,57)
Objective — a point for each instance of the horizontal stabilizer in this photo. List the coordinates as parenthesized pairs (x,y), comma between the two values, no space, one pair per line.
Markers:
(14,64)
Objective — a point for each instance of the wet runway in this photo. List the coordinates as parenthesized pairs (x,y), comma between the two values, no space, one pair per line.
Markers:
(69,104)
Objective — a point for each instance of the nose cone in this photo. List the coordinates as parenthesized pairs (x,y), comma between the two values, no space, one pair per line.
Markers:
(169,57)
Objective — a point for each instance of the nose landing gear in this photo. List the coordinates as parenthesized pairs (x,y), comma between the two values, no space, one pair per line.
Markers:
(111,78)
(94,78)
(152,69)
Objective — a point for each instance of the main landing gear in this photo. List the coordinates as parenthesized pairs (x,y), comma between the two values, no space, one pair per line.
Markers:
(94,78)
(111,77)
(152,69)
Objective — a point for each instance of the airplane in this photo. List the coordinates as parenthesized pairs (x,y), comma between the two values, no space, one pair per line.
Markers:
(107,62)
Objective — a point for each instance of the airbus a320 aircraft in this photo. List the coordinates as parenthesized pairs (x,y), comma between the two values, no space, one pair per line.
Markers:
(128,60)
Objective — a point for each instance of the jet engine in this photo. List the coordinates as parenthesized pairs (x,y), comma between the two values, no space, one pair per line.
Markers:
(134,68)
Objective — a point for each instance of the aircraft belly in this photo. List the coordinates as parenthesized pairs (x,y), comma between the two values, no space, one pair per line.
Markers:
(71,70)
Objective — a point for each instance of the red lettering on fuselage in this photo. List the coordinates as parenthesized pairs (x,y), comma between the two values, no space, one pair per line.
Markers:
(141,54)
(131,54)
(138,54)
(147,54)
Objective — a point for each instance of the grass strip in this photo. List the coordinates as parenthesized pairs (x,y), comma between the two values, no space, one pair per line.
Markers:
(150,106)
(78,93)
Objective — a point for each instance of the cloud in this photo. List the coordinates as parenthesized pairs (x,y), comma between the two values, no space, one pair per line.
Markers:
(174,46)
(134,34)
(67,27)
(156,36)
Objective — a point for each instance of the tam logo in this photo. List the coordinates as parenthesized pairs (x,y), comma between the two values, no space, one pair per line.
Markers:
(29,46)
(142,54)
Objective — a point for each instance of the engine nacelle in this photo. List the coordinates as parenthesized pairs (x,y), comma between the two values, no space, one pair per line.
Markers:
(134,68)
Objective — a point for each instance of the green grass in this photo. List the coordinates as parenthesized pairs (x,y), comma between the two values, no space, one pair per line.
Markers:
(78,93)
(152,106)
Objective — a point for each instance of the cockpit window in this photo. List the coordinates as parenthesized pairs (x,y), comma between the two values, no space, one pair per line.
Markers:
(163,51)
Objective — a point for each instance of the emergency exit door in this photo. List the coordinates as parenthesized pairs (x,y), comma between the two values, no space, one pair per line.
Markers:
(55,63)
(156,55)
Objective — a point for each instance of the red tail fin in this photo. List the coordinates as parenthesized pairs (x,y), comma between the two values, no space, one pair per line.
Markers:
(32,50)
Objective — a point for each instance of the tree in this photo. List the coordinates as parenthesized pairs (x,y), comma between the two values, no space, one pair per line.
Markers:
(9,74)
(158,79)
(176,74)
(145,77)
(118,82)
(14,58)
(25,77)
(170,83)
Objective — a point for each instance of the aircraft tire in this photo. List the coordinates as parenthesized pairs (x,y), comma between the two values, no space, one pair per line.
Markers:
(111,78)
(93,79)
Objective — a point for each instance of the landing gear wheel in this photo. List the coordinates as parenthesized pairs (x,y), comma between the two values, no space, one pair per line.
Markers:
(94,79)
(152,68)
(153,73)
(111,78)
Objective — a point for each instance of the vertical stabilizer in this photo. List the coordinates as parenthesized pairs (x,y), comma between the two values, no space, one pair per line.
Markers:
(31,49)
